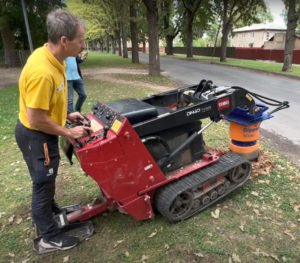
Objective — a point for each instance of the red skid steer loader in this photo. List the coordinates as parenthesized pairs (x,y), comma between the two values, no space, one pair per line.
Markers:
(150,153)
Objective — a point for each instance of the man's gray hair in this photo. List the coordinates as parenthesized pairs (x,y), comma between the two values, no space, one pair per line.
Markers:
(62,23)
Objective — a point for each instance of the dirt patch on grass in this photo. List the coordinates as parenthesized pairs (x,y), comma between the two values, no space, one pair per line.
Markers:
(10,76)
(107,75)
(96,71)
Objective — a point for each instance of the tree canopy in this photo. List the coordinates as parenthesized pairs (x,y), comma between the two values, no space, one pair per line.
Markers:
(112,23)
(12,26)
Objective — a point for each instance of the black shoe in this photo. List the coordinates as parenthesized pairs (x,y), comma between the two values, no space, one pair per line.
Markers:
(61,242)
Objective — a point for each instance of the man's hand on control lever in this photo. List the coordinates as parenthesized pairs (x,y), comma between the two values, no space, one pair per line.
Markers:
(78,131)
(75,117)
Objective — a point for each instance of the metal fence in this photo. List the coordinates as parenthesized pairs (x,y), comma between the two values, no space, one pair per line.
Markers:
(205,51)
(242,53)
(265,54)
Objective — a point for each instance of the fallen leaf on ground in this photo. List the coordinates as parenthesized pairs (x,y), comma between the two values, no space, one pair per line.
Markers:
(66,259)
(242,226)
(264,182)
(19,220)
(153,234)
(199,255)
(258,253)
(118,242)
(256,212)
(254,193)
(275,257)
(296,208)
(144,258)
(236,258)
(11,219)
(2,214)
(262,166)
(249,204)
(216,214)
(288,232)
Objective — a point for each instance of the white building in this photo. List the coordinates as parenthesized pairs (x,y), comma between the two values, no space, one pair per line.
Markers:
(257,34)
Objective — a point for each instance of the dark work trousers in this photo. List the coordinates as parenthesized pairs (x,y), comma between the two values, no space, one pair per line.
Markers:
(43,174)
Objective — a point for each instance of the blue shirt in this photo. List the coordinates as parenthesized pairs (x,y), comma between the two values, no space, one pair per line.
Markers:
(71,69)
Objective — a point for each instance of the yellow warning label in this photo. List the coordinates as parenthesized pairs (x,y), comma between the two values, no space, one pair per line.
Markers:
(116,126)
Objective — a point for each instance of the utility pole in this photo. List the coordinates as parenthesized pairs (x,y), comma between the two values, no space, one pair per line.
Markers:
(27,26)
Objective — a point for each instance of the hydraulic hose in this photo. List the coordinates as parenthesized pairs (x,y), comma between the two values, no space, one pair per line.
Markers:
(266,100)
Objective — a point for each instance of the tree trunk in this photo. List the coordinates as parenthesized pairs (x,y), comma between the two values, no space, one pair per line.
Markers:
(107,43)
(124,38)
(225,29)
(10,53)
(118,40)
(290,36)
(152,18)
(101,42)
(224,40)
(134,34)
(169,46)
(191,7)
(113,43)
(216,40)
(167,27)
(189,35)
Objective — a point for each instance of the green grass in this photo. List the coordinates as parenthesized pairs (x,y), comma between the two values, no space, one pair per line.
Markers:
(259,223)
(108,60)
(266,66)
(145,78)
(7,109)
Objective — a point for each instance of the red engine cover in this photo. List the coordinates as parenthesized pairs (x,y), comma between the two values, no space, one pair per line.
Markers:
(123,167)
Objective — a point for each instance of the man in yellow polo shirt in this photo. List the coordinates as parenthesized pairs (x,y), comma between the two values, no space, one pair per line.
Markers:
(42,117)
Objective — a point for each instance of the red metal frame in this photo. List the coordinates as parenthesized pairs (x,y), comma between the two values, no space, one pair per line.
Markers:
(125,171)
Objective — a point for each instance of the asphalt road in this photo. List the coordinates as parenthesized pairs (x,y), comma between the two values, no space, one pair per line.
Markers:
(284,126)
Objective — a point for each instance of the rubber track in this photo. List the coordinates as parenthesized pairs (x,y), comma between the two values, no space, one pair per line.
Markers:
(166,195)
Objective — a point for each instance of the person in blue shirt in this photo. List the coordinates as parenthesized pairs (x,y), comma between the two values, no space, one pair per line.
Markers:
(75,82)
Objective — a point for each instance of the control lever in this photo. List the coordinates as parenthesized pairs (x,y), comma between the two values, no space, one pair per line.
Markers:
(87,123)
(105,130)
(79,143)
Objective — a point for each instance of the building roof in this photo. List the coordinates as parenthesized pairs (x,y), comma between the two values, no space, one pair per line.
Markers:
(259,27)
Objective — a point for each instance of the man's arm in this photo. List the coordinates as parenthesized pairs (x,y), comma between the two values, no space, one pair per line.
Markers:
(39,120)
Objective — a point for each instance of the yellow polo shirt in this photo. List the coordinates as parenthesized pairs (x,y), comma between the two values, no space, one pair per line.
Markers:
(43,85)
